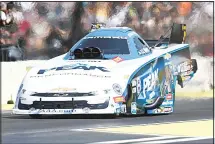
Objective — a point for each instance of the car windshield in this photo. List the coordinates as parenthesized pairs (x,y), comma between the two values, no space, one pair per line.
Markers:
(107,45)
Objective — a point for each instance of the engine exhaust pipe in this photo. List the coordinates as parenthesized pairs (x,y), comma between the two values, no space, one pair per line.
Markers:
(78,53)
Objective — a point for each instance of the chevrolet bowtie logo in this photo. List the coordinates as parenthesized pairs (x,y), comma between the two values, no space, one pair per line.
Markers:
(61,95)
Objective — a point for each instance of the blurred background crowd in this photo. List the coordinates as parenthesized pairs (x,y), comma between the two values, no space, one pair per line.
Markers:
(43,30)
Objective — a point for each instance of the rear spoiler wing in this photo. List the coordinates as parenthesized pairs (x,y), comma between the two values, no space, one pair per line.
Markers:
(153,42)
(177,36)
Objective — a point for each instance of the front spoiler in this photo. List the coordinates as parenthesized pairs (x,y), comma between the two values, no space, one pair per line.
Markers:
(62,111)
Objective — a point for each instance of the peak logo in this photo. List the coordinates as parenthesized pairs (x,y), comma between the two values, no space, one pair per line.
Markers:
(74,67)
(150,80)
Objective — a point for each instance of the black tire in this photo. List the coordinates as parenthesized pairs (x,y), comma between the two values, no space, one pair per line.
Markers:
(194,64)
(128,98)
(35,116)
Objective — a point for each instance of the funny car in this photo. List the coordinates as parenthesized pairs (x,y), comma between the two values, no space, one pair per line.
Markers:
(111,70)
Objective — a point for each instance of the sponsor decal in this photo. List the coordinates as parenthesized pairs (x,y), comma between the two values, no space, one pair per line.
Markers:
(117,59)
(149,101)
(169,96)
(157,111)
(117,89)
(187,73)
(150,80)
(50,111)
(167,103)
(63,89)
(118,110)
(107,91)
(185,78)
(151,95)
(167,56)
(69,111)
(133,108)
(167,109)
(138,85)
(111,37)
(76,74)
(134,83)
(123,108)
(74,67)
(185,66)
(65,111)
(163,110)
(134,90)
(119,99)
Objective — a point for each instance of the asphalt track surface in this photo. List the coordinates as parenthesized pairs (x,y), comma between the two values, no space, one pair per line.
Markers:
(78,129)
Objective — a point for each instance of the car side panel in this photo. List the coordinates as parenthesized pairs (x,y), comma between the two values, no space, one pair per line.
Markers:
(172,62)
(157,79)
(147,84)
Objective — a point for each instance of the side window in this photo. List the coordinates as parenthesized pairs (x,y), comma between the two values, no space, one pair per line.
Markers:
(140,46)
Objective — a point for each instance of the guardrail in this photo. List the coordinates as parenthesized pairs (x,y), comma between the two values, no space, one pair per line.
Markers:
(13,73)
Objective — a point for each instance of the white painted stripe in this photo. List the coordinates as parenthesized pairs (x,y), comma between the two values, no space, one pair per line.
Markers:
(79,130)
(176,140)
(117,132)
(37,131)
(134,140)
(170,122)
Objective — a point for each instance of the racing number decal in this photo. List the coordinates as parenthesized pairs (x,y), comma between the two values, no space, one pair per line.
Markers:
(138,86)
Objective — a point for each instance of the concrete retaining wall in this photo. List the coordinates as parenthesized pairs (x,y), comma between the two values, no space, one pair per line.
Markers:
(12,74)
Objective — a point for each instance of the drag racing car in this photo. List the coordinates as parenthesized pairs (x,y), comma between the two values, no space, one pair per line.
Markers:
(111,70)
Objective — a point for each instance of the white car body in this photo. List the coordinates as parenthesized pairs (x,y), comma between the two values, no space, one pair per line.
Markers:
(79,80)
(110,71)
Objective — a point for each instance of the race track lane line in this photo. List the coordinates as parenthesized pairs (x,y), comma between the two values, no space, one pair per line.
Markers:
(36,131)
(188,129)
(154,140)
(176,140)
(168,122)
(135,140)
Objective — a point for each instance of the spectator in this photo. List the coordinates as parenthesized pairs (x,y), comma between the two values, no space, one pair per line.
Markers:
(184,8)
(37,25)
(6,13)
